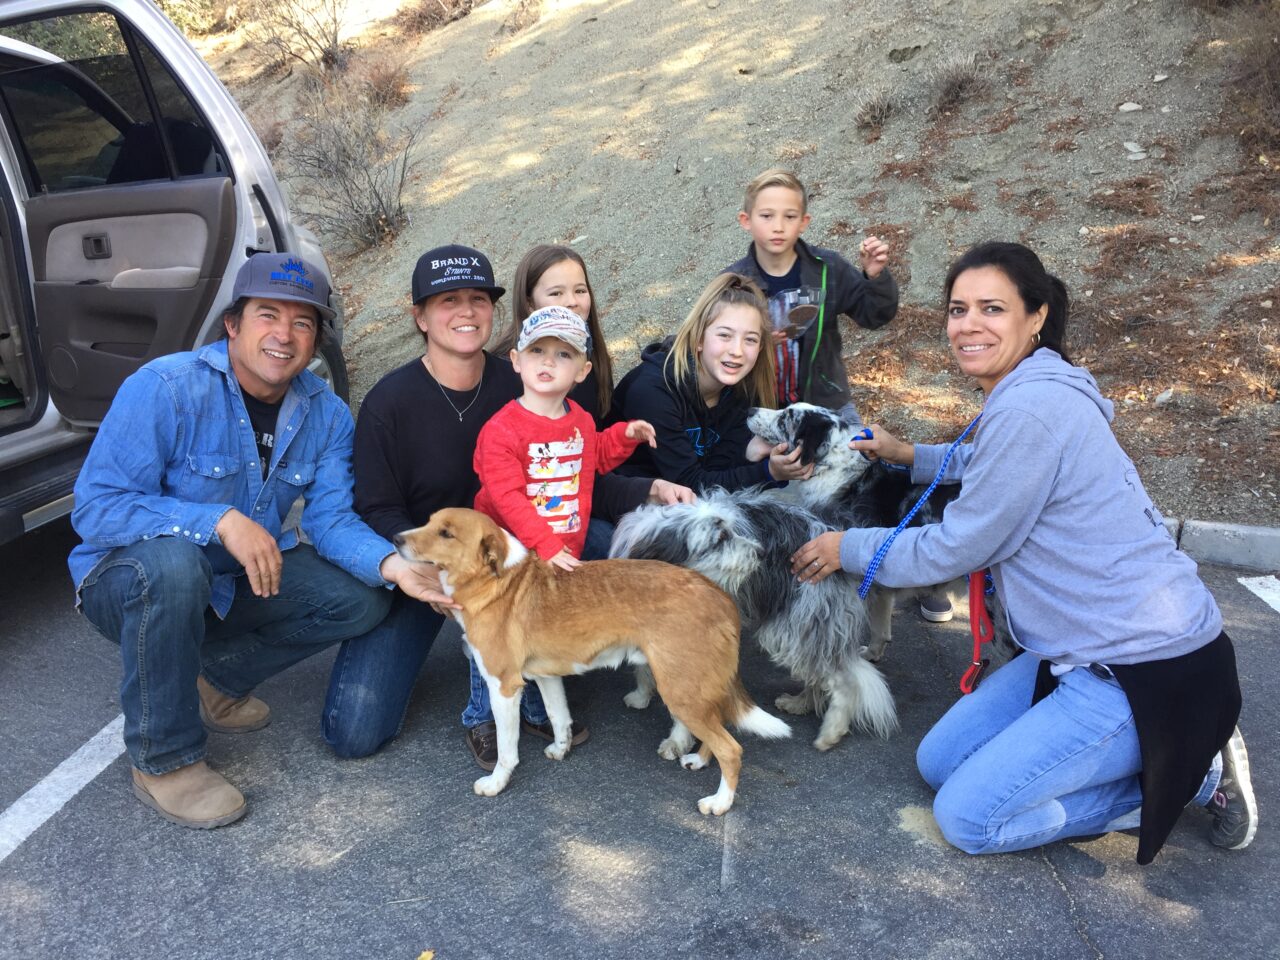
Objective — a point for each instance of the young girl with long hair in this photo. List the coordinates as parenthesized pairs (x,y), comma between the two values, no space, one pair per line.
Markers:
(697,389)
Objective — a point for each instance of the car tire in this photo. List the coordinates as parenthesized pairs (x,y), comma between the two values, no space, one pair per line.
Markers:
(331,367)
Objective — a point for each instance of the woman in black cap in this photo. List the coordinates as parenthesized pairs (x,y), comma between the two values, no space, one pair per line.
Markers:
(415,440)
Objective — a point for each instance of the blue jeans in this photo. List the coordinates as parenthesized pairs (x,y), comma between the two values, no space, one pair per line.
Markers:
(373,677)
(152,598)
(1011,776)
(478,709)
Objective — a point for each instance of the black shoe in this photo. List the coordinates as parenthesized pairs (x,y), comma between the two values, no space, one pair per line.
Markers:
(483,741)
(1234,809)
(936,607)
(578,733)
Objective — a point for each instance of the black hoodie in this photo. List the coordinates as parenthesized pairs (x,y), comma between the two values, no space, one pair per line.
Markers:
(846,290)
(698,446)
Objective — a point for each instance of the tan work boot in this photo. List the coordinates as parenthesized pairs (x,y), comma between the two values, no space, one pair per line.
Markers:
(223,714)
(191,796)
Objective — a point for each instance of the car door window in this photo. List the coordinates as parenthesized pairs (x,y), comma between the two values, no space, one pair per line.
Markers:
(88,104)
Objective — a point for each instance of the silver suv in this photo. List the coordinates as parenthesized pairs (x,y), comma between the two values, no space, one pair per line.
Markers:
(131,190)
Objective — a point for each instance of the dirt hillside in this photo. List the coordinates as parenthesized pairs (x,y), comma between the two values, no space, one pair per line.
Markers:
(1098,131)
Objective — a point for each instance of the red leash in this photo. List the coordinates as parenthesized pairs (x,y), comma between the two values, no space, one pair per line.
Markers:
(980,626)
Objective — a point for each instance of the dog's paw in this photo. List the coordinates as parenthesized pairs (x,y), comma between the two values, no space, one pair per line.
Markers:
(638,699)
(797,704)
(718,804)
(827,740)
(671,749)
(873,653)
(693,761)
(493,784)
(557,751)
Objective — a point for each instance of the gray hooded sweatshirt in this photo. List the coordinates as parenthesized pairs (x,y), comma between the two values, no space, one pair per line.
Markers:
(1053,506)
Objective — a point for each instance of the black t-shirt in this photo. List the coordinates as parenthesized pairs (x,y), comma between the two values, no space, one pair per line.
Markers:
(788,281)
(263,417)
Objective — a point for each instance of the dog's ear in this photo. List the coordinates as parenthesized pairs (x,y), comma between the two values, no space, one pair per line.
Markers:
(493,550)
(811,435)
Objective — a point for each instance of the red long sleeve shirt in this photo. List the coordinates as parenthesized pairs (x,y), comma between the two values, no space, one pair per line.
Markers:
(536,474)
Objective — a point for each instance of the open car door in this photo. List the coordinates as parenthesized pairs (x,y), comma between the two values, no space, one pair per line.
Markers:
(129,202)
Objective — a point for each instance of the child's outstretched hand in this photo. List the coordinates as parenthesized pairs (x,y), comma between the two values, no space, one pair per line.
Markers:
(565,560)
(642,430)
(873,255)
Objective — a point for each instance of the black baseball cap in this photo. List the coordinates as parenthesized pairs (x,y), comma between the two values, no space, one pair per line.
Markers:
(283,276)
(453,267)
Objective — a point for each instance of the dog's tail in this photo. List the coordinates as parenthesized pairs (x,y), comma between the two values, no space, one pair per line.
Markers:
(749,718)
(873,708)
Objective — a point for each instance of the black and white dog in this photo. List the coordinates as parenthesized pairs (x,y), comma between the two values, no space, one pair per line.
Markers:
(822,633)
(743,542)
(846,489)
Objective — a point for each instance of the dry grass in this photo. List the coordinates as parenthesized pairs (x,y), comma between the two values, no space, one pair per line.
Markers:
(963,202)
(1136,196)
(1123,249)
(956,81)
(386,81)
(872,110)
(423,16)
(796,150)
(270,131)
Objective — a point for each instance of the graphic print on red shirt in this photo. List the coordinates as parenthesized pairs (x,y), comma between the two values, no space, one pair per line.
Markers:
(537,473)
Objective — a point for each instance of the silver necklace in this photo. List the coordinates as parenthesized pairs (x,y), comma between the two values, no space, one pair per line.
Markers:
(432,371)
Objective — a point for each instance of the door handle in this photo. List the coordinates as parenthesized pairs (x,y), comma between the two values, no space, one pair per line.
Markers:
(96,247)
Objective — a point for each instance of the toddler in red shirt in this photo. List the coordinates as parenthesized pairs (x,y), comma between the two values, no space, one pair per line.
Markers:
(538,456)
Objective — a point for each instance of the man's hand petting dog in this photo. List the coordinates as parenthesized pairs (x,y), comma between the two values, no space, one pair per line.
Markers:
(817,559)
(885,446)
(784,463)
(418,580)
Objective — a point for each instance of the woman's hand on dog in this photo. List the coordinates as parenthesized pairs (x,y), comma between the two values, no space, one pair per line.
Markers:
(418,580)
(665,492)
(643,431)
(817,559)
(784,464)
(565,560)
(885,446)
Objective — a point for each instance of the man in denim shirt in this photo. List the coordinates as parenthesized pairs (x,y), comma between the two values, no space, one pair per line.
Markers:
(181,504)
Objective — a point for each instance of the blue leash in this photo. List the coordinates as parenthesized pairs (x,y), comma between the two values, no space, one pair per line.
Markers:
(884,547)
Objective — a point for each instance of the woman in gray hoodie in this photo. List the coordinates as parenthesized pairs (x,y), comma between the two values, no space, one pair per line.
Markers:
(1122,709)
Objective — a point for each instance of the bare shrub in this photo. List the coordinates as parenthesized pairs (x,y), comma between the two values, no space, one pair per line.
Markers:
(385,81)
(309,32)
(957,80)
(423,16)
(1256,94)
(873,109)
(349,168)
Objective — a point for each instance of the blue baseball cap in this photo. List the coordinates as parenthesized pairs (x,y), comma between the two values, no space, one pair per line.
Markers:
(284,276)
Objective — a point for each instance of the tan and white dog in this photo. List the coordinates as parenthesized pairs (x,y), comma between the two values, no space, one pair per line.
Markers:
(525,619)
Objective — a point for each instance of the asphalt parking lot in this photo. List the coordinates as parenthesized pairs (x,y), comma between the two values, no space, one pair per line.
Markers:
(603,855)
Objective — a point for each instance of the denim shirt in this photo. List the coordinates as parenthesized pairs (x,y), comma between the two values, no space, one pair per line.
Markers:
(176,452)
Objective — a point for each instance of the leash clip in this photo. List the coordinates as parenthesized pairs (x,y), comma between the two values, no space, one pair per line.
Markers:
(981,628)
(969,682)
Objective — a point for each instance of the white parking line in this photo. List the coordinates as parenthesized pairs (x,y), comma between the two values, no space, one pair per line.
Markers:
(1268,588)
(29,812)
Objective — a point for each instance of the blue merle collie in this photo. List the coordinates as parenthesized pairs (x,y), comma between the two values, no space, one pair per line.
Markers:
(823,634)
